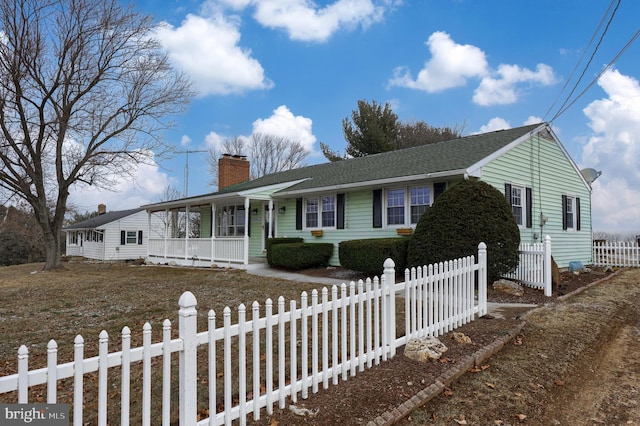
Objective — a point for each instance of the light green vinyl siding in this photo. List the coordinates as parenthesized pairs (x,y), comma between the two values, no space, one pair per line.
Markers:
(358,221)
(542,165)
(205,221)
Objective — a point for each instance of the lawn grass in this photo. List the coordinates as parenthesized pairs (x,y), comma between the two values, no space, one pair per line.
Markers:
(86,298)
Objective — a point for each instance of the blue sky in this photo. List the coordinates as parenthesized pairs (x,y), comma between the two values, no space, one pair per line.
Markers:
(296,68)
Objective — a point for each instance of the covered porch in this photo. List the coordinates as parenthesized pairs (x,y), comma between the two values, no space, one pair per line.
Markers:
(217,229)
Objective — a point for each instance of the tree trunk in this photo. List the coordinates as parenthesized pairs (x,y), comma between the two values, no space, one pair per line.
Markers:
(53,251)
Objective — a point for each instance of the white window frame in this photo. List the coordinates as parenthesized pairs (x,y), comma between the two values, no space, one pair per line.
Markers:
(572,225)
(320,211)
(522,206)
(229,223)
(407,205)
(73,238)
(131,236)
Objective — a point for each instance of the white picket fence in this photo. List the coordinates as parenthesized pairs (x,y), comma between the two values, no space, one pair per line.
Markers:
(269,358)
(534,268)
(617,254)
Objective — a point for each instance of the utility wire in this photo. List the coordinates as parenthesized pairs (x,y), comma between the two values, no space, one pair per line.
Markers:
(584,53)
(563,107)
(605,69)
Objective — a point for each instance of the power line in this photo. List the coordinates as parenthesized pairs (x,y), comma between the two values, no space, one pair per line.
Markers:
(605,69)
(563,108)
(584,53)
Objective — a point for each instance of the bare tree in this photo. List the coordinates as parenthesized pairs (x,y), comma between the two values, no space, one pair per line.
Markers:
(266,153)
(231,146)
(85,92)
(272,154)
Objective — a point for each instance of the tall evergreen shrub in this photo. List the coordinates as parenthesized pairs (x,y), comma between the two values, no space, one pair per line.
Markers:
(466,214)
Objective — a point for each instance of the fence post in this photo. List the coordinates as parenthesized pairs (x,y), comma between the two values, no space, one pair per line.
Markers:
(390,295)
(547,266)
(482,279)
(187,329)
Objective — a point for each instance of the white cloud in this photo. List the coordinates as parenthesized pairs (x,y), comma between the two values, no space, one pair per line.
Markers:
(304,21)
(146,187)
(614,148)
(207,49)
(283,123)
(615,204)
(185,140)
(451,65)
(505,88)
(532,119)
(214,141)
(494,124)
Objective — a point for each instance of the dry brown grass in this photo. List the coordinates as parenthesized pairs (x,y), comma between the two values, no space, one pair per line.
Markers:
(86,298)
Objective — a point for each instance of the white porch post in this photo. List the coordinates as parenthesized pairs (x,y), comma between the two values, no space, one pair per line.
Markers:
(246,228)
(271,232)
(186,233)
(148,235)
(213,231)
(167,219)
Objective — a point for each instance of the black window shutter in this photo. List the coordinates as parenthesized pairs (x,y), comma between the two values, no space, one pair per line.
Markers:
(298,213)
(529,208)
(438,189)
(507,193)
(340,212)
(139,238)
(249,224)
(564,212)
(123,238)
(377,208)
(577,214)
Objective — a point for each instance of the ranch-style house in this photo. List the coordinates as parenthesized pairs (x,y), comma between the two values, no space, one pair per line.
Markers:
(380,195)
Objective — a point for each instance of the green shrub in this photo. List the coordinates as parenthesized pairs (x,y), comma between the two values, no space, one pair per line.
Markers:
(463,216)
(301,255)
(368,255)
(273,241)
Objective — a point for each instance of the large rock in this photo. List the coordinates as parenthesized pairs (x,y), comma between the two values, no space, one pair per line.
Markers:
(508,287)
(424,349)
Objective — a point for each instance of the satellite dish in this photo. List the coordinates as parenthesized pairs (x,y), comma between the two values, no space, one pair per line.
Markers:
(590,175)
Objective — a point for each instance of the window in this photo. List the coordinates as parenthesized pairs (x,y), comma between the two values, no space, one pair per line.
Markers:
(132,237)
(230,221)
(73,238)
(516,204)
(420,201)
(570,213)
(521,202)
(320,212)
(395,207)
(417,198)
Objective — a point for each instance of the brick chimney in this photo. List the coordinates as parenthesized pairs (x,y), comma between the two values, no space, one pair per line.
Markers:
(232,169)
(102,209)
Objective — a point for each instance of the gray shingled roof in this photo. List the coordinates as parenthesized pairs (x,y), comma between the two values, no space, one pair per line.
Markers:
(97,221)
(456,154)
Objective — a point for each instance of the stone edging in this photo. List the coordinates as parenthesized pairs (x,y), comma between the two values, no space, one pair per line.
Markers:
(453,374)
